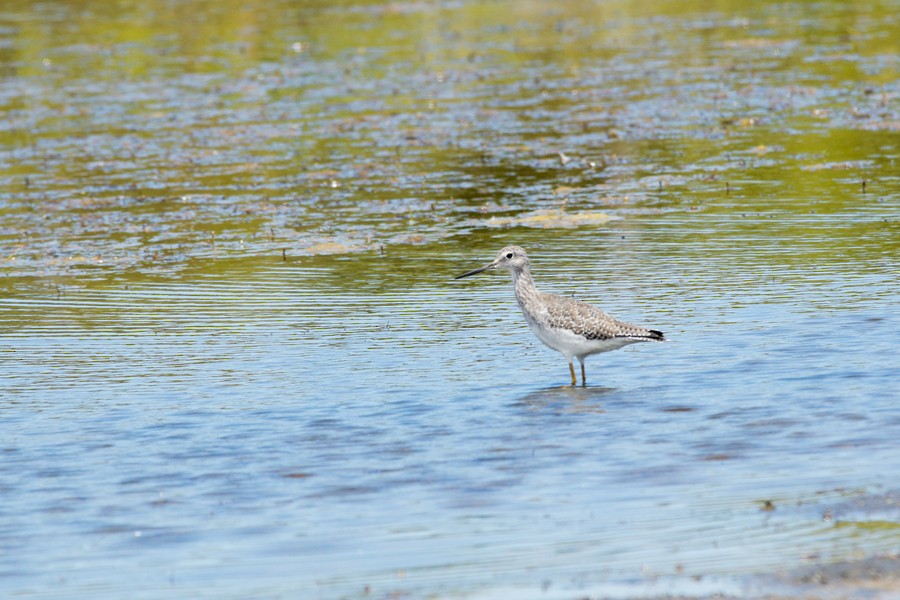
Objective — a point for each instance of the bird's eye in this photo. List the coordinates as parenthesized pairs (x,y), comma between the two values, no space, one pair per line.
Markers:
(509,255)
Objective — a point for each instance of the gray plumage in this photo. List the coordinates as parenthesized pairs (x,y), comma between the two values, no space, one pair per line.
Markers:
(594,324)
(574,328)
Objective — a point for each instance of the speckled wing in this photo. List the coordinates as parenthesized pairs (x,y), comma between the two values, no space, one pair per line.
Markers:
(594,324)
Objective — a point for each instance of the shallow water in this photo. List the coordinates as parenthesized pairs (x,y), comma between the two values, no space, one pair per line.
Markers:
(235,363)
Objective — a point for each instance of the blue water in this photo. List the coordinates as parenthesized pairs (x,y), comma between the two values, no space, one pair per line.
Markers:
(261,438)
(234,363)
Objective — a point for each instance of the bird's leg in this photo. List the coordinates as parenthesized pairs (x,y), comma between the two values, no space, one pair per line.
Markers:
(572,371)
(583,378)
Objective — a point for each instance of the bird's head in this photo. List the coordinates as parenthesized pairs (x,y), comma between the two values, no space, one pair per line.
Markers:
(511,258)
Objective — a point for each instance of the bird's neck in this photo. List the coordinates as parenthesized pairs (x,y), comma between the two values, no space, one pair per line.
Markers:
(526,291)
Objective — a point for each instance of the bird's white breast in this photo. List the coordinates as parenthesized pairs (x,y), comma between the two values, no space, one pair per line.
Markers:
(572,344)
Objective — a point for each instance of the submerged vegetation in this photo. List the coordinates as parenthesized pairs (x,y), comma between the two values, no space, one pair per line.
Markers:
(234,362)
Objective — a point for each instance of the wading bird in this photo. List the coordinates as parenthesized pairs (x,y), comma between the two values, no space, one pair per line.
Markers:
(573,328)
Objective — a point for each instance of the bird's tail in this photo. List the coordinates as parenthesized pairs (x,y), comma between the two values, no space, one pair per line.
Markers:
(639,334)
(655,336)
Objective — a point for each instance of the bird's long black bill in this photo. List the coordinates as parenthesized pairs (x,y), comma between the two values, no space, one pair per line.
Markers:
(475,272)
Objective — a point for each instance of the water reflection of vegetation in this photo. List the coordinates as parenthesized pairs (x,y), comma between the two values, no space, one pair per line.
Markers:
(200,195)
(230,129)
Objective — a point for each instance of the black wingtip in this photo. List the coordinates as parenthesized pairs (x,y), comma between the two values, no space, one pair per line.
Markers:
(657,335)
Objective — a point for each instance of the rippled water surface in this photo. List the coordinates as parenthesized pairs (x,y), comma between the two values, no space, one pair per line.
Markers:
(235,363)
